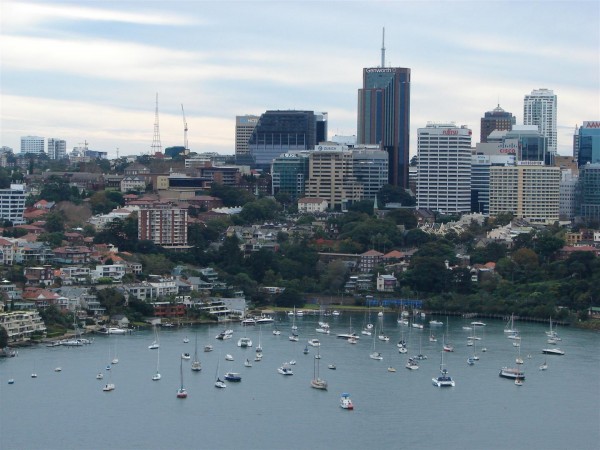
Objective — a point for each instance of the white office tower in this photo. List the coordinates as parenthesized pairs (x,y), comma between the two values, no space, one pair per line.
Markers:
(539,108)
(32,144)
(244,126)
(57,148)
(444,168)
(12,204)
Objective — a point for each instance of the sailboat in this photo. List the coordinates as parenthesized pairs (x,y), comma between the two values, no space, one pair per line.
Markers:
(218,382)
(157,376)
(448,347)
(544,366)
(154,344)
(110,386)
(375,354)
(420,356)
(317,382)
(34,373)
(294,336)
(510,325)
(259,348)
(115,360)
(181,392)
(443,380)
(518,359)
(382,336)
(196,367)
(402,344)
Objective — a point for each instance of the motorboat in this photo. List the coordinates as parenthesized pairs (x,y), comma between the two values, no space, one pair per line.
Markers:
(435,322)
(99,376)
(335,313)
(181,393)
(314,342)
(293,338)
(292,362)
(228,357)
(512,373)
(448,347)
(331,366)
(59,369)
(285,369)
(383,337)
(186,356)
(276,332)
(417,325)
(402,322)
(186,340)
(264,319)
(220,384)
(391,369)
(244,342)
(553,351)
(248,322)
(11,381)
(305,351)
(258,357)
(108,387)
(247,363)
(478,324)
(518,382)
(233,376)
(322,330)
(544,366)
(470,361)
(432,338)
(366,332)
(346,402)
(348,336)
(154,345)
(353,340)
(116,330)
(208,348)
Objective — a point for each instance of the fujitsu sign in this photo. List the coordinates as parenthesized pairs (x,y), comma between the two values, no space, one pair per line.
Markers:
(450,132)
(591,124)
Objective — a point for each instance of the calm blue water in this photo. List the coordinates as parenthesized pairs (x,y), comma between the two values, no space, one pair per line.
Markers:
(555,409)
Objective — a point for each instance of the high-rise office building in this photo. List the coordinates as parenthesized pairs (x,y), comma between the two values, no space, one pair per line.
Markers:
(531,144)
(444,168)
(280,132)
(384,116)
(32,144)
(331,176)
(57,148)
(497,119)
(370,167)
(589,191)
(244,126)
(530,190)
(588,142)
(289,173)
(539,108)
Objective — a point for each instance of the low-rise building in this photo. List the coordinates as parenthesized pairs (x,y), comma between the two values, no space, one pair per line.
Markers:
(312,205)
(21,325)
(114,271)
(386,283)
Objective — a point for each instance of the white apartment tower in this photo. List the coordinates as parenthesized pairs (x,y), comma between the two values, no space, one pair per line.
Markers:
(12,204)
(57,148)
(539,108)
(32,144)
(444,168)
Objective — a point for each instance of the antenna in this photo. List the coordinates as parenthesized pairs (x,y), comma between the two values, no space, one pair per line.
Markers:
(186,150)
(383,49)
(156,145)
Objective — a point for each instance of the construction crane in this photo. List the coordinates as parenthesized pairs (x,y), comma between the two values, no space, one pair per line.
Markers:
(185,130)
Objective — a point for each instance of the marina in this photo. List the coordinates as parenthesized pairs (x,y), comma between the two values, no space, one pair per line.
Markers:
(382,397)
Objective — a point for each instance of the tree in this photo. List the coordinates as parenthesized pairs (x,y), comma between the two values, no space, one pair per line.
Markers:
(404,217)
(55,222)
(289,298)
(112,299)
(394,194)
(3,337)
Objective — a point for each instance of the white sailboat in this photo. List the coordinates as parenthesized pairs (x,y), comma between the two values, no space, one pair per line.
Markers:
(154,344)
(196,366)
(115,359)
(375,354)
(218,382)
(181,392)
(317,382)
(157,376)
(510,325)
(443,380)
(259,348)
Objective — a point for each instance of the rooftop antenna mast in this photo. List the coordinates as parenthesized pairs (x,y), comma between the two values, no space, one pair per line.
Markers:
(383,49)
(156,145)
(186,150)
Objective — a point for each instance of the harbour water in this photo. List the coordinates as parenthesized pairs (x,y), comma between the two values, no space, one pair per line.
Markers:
(558,408)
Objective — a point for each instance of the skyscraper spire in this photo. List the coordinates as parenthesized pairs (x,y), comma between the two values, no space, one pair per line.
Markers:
(383,49)
(156,145)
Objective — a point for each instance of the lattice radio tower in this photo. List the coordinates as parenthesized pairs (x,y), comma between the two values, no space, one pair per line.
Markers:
(156,145)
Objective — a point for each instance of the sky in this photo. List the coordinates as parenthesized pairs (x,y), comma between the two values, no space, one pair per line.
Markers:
(90,70)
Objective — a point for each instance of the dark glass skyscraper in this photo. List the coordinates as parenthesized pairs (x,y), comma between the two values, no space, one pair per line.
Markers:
(279,132)
(384,117)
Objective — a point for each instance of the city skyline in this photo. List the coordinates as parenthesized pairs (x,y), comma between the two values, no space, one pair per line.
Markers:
(90,71)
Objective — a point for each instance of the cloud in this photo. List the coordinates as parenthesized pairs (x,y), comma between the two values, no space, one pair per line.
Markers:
(25,14)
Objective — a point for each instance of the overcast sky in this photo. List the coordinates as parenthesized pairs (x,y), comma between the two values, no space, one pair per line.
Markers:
(90,70)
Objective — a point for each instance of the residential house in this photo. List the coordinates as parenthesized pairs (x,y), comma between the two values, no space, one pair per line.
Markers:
(72,255)
(369,260)
(386,283)
(39,275)
(113,271)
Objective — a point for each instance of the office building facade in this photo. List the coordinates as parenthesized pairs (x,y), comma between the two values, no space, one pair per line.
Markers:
(539,108)
(444,168)
(530,190)
(370,167)
(384,117)
(57,148)
(32,144)
(589,191)
(289,173)
(280,132)
(331,177)
(588,143)
(244,126)
(497,119)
